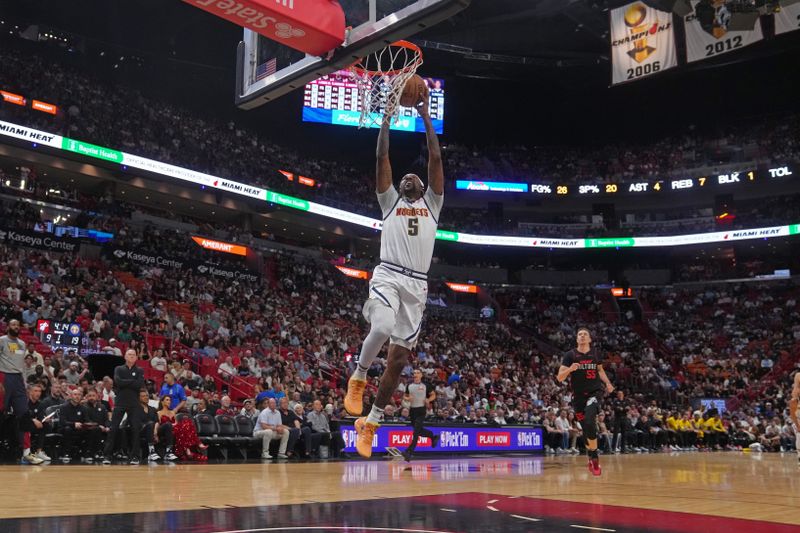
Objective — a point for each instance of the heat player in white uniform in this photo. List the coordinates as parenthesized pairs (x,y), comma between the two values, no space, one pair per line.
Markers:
(399,287)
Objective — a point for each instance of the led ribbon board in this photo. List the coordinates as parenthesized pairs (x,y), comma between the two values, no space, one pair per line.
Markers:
(65,144)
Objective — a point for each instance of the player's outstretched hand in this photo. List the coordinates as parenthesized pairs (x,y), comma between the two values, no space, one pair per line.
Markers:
(610,388)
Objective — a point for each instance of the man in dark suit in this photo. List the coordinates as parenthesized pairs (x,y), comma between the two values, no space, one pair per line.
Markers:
(128,381)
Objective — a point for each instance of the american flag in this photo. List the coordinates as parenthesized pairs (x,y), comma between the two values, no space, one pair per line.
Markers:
(266,69)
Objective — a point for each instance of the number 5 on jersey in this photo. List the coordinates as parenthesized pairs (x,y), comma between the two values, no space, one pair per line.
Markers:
(413,227)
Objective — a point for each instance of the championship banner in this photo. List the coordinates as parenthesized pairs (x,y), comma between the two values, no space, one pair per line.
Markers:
(707,33)
(642,42)
(788,19)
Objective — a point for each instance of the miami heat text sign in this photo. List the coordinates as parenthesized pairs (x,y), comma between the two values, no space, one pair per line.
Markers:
(311,26)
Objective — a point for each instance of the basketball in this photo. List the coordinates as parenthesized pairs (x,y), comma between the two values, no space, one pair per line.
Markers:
(413,92)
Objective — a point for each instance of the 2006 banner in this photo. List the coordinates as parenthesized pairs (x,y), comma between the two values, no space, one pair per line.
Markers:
(707,33)
(454,439)
(642,42)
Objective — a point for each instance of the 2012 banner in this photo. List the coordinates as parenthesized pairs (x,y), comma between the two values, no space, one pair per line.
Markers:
(787,19)
(642,42)
(708,32)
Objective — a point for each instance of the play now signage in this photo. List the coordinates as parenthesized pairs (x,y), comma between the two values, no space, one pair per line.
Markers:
(453,439)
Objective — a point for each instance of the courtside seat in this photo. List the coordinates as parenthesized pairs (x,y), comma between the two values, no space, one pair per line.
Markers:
(208,432)
(245,425)
(229,431)
(53,439)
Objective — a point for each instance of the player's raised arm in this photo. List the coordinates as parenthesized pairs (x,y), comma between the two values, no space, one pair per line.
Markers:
(383,171)
(435,167)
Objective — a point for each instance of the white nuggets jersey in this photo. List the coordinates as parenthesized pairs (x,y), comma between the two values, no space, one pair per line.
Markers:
(409,229)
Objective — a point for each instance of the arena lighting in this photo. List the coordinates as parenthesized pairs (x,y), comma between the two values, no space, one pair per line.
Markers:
(353,272)
(619,292)
(302,180)
(462,287)
(12,98)
(219,246)
(44,107)
(200,179)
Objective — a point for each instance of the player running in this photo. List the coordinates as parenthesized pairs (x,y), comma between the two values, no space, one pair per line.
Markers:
(794,412)
(588,380)
(398,290)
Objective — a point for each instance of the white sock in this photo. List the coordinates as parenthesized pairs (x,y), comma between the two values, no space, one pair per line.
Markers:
(382,320)
(360,372)
(26,451)
(375,415)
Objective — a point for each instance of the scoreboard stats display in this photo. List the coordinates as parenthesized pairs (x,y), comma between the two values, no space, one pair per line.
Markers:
(745,176)
(65,335)
(334,99)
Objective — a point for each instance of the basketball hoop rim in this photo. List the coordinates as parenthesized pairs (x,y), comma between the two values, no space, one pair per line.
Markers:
(400,44)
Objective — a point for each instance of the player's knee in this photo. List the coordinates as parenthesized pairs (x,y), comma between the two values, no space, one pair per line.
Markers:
(383,329)
(382,321)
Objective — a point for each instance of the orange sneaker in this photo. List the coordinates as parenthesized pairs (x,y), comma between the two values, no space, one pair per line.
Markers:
(366,434)
(354,400)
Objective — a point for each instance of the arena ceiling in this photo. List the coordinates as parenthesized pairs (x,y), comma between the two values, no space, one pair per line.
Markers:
(552,53)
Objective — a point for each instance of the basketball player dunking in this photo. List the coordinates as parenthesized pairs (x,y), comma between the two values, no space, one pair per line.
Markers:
(398,290)
(794,412)
(588,381)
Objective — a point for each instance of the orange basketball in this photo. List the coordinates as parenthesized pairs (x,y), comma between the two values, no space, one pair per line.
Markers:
(413,92)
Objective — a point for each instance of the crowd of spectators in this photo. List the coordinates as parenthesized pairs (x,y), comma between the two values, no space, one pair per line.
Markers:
(293,334)
(122,117)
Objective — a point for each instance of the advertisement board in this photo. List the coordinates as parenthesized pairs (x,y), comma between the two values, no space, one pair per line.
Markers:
(453,439)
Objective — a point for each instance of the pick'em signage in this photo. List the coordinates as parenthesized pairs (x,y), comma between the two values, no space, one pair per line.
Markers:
(454,439)
(206,180)
(219,246)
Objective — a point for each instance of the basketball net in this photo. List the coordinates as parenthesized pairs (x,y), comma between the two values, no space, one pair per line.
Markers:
(381,78)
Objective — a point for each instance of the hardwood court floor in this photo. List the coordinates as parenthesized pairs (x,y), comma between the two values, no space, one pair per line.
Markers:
(635,493)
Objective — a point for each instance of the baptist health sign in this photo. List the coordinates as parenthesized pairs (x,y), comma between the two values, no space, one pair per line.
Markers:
(126,160)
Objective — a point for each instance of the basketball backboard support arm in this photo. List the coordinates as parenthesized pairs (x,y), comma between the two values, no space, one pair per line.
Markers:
(360,41)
